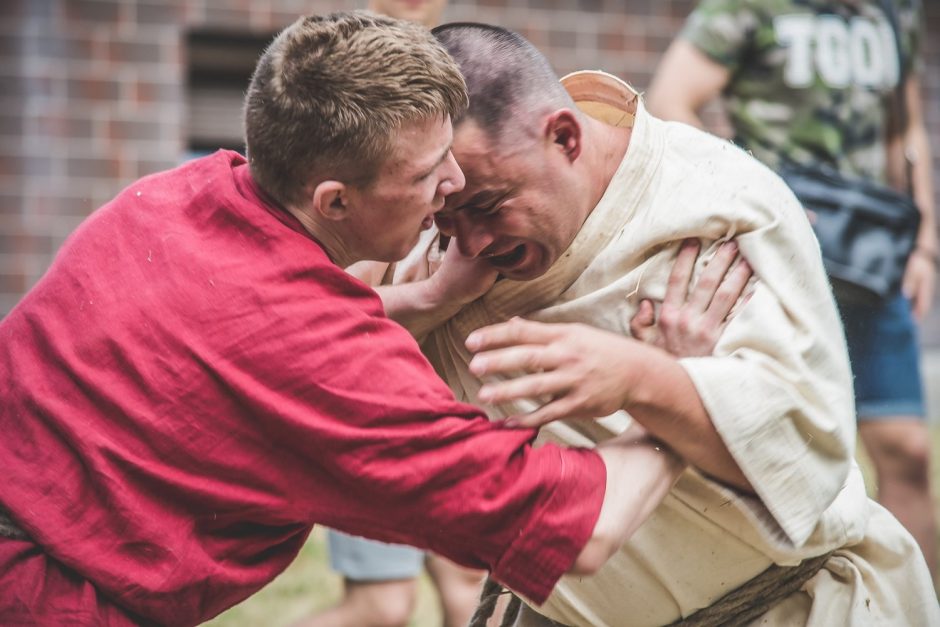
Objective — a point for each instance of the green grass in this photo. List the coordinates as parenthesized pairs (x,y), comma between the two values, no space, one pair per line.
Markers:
(309,584)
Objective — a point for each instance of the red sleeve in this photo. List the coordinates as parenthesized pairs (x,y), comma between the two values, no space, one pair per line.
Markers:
(372,442)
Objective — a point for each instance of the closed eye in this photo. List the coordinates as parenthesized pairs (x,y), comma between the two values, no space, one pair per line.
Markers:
(489,210)
(485,203)
(426,175)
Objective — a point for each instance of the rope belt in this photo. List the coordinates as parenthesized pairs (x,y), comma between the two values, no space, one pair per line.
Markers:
(756,596)
(488,599)
(743,604)
(9,529)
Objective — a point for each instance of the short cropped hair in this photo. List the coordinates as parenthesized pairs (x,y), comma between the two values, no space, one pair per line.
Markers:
(508,79)
(330,92)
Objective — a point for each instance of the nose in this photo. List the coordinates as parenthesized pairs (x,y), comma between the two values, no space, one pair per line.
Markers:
(453,179)
(472,236)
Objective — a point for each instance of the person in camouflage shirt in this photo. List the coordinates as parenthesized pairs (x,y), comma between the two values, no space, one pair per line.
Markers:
(808,79)
(812,81)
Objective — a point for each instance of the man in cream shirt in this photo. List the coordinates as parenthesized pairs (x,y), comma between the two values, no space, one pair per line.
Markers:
(582,202)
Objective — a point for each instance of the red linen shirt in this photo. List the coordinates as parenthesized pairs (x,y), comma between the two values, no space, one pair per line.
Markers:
(193,384)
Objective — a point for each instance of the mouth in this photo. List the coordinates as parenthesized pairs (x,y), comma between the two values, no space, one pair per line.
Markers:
(508,260)
(427,223)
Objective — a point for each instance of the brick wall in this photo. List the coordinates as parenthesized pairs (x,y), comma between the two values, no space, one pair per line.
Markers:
(93,97)
(92,92)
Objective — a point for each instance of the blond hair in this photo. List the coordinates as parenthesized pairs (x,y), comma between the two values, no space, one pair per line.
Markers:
(329,93)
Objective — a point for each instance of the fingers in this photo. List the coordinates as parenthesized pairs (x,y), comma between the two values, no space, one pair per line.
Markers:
(728,293)
(643,322)
(536,387)
(918,309)
(524,358)
(925,296)
(918,285)
(514,332)
(550,412)
(677,289)
(921,297)
(712,275)
(692,319)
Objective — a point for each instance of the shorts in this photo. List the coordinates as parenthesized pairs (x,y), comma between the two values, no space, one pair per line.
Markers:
(360,559)
(885,358)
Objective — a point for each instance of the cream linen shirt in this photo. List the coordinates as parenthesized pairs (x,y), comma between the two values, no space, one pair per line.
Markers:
(777,388)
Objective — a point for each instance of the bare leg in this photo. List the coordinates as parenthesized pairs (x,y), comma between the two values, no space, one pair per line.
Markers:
(900,451)
(458,587)
(369,604)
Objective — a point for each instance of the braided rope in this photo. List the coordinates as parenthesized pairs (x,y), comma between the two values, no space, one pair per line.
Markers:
(512,611)
(489,597)
(757,596)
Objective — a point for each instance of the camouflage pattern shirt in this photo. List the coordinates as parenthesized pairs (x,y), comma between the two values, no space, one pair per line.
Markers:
(810,78)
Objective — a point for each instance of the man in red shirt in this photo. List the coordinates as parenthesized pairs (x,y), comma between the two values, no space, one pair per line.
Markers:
(196,381)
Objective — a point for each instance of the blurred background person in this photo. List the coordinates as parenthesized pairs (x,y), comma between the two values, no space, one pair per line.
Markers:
(427,12)
(380,581)
(812,83)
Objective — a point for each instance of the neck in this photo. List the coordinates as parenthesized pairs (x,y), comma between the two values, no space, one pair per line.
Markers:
(605,148)
(326,233)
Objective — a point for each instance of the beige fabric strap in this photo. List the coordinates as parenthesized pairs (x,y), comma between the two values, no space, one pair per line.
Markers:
(740,606)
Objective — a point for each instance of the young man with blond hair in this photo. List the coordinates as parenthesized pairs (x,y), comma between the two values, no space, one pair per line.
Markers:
(380,580)
(196,381)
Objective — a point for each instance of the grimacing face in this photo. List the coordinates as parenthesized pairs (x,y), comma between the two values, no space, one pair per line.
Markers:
(518,209)
(390,213)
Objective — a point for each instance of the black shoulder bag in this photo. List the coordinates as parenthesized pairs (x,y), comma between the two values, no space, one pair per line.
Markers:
(866,231)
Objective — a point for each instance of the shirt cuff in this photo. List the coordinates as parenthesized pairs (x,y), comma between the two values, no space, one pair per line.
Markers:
(547,546)
(796,465)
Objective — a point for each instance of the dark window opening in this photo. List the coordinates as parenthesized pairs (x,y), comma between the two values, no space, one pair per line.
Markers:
(219,69)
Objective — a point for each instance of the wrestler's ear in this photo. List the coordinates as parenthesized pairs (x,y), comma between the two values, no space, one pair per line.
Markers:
(331,200)
(563,129)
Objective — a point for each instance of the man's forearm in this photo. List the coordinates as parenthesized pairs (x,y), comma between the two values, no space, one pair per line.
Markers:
(666,402)
(587,373)
(422,305)
(416,307)
(640,473)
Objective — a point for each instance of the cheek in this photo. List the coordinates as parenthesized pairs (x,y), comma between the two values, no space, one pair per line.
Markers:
(420,196)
